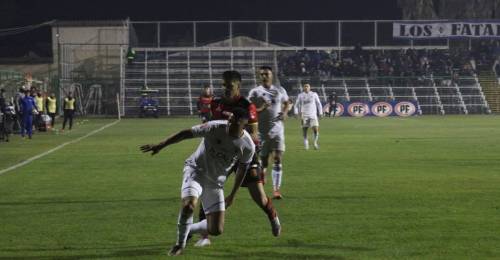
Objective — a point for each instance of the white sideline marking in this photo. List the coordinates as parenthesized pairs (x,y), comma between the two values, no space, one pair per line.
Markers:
(56,148)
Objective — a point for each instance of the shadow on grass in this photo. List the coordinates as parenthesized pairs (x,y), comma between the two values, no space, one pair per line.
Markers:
(289,249)
(58,201)
(124,251)
(270,255)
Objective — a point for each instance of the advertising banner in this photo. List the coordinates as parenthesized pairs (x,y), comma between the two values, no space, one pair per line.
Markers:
(446,29)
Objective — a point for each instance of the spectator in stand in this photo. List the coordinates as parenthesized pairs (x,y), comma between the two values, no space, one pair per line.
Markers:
(3,100)
(496,69)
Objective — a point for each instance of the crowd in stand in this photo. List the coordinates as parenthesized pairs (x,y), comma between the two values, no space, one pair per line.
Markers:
(391,63)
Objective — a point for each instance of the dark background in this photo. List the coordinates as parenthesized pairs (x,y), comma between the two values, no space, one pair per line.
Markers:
(16,13)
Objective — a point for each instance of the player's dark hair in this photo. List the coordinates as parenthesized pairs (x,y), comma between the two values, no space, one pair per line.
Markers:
(266,68)
(240,113)
(230,75)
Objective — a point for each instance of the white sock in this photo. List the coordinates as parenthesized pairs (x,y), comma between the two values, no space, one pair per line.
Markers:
(183,226)
(200,227)
(316,137)
(277,173)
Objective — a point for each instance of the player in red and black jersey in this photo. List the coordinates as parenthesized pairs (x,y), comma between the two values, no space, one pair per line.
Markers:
(204,104)
(254,180)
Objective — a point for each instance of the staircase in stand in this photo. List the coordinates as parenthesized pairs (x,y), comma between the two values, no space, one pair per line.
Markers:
(491,89)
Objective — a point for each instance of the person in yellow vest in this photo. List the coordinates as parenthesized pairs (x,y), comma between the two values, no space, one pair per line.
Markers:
(69,110)
(39,100)
(52,108)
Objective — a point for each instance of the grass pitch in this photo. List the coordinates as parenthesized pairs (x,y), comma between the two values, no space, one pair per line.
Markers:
(384,188)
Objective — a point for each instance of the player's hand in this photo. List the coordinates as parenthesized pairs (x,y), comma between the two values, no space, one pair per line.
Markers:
(281,117)
(229,201)
(151,148)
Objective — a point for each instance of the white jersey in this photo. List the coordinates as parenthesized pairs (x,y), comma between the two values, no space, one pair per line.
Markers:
(218,152)
(274,96)
(308,105)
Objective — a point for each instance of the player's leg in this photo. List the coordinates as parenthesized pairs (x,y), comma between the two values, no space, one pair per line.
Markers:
(71,114)
(277,173)
(65,119)
(29,126)
(53,121)
(315,129)
(184,221)
(212,200)
(204,240)
(304,133)
(191,190)
(258,195)
(23,125)
(264,154)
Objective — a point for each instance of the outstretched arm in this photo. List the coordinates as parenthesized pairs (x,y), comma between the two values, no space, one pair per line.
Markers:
(155,148)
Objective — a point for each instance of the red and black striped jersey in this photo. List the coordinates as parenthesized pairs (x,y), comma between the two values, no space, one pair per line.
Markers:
(221,109)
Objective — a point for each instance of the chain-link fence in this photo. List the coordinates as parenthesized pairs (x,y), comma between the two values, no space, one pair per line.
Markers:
(92,74)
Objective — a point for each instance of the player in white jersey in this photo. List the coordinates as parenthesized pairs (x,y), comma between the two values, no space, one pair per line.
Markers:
(224,144)
(308,107)
(272,105)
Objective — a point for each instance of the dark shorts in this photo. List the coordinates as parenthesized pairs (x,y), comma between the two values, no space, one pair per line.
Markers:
(254,173)
(205,117)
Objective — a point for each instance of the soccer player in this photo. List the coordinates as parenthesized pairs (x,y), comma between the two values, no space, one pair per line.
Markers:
(203,104)
(309,108)
(225,144)
(221,109)
(272,106)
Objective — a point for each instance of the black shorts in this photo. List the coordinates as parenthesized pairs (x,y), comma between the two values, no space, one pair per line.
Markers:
(205,117)
(254,172)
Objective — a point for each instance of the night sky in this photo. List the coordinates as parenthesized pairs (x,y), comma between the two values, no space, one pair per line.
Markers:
(14,13)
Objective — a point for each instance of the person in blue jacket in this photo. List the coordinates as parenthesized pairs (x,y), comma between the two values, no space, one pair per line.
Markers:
(28,110)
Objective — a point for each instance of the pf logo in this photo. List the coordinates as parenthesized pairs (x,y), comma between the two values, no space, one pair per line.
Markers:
(358,109)
(382,109)
(339,110)
(405,108)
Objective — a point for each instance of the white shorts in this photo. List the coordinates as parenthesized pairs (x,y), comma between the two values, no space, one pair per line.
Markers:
(269,144)
(310,122)
(212,198)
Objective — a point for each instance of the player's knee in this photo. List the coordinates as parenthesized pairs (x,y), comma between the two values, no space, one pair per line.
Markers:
(277,159)
(264,162)
(277,166)
(188,208)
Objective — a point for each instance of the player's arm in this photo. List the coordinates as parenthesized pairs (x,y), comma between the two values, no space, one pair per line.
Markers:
(240,175)
(319,106)
(263,107)
(284,110)
(296,107)
(253,125)
(155,148)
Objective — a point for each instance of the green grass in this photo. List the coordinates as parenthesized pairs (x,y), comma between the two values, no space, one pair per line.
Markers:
(379,188)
